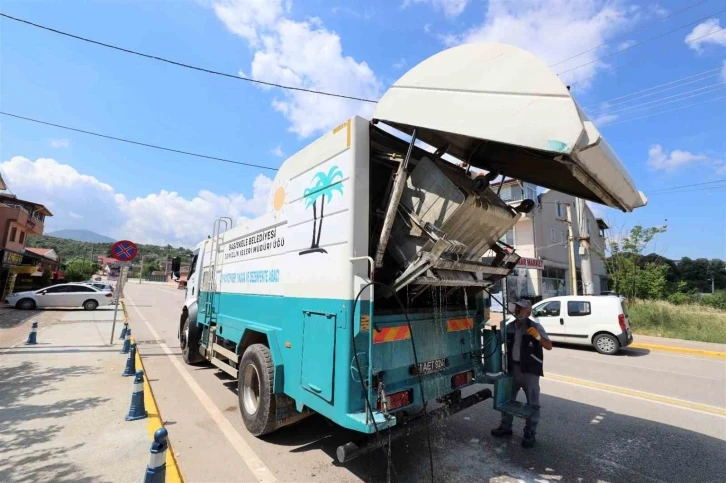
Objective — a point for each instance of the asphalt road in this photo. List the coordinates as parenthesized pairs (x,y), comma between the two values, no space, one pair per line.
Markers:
(639,416)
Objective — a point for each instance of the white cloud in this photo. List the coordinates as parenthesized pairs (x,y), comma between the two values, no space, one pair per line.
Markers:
(82,201)
(451,8)
(604,119)
(553,30)
(696,39)
(661,160)
(60,143)
(301,54)
(277,151)
(400,64)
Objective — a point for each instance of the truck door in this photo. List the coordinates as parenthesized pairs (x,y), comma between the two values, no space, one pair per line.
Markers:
(318,354)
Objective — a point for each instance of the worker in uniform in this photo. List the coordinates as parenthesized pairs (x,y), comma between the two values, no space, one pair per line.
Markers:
(525,340)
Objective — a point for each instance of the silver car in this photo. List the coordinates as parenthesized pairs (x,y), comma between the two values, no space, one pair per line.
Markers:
(62,295)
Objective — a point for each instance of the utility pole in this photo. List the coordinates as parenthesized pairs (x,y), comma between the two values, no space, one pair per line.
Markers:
(571,251)
(583,230)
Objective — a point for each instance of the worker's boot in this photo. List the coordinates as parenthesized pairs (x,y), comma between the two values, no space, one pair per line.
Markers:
(528,440)
(501,431)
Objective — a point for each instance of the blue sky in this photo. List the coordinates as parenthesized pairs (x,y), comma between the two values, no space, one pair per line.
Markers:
(355,48)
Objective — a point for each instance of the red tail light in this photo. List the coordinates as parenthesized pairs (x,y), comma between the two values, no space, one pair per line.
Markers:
(109,295)
(462,379)
(397,400)
(621,321)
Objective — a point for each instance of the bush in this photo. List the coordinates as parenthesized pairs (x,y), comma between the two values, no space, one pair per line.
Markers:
(691,322)
(717,300)
(679,298)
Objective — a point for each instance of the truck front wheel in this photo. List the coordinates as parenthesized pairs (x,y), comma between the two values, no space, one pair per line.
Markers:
(256,400)
(189,342)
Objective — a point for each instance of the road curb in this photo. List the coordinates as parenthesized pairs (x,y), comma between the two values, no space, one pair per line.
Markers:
(173,473)
(680,350)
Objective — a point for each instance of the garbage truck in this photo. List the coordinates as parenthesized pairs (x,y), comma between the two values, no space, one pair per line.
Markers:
(361,293)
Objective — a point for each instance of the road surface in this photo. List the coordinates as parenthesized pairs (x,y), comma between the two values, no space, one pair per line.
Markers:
(638,416)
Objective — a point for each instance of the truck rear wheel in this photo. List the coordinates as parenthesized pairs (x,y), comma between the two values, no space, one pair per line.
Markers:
(256,401)
(189,343)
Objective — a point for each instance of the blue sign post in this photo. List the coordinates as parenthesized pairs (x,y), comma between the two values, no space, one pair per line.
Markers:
(123,251)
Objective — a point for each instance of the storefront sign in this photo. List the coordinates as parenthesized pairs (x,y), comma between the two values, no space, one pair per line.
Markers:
(12,258)
(535,263)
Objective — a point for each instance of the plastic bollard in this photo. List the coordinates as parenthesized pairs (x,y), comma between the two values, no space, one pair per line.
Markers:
(33,336)
(156,470)
(127,343)
(131,362)
(123,331)
(137,409)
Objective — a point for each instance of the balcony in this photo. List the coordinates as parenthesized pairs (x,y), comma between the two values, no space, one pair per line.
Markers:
(34,223)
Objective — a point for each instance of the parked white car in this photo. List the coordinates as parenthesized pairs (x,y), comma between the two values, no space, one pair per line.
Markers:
(62,295)
(597,320)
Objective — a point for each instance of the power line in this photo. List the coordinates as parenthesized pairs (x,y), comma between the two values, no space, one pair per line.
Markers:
(712,72)
(686,186)
(691,191)
(658,102)
(667,111)
(643,42)
(632,61)
(154,146)
(181,64)
(632,32)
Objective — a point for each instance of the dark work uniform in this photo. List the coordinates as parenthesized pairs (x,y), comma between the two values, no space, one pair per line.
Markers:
(524,360)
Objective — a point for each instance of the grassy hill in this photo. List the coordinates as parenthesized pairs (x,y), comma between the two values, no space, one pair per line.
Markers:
(82,236)
(68,249)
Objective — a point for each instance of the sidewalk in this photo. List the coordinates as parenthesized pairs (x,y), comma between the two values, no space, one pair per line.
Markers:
(63,403)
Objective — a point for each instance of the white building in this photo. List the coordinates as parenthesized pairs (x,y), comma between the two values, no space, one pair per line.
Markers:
(540,238)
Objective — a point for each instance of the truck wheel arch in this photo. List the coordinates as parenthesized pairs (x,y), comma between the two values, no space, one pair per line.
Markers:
(268,338)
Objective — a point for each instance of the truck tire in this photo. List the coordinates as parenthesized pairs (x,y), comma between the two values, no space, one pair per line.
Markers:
(257,403)
(189,343)
(606,344)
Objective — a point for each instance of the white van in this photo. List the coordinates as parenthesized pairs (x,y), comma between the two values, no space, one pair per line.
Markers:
(600,321)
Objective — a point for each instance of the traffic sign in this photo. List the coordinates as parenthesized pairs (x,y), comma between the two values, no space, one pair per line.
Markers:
(124,251)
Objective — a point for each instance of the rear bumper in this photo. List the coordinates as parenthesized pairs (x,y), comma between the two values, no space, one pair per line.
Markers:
(355,449)
(625,339)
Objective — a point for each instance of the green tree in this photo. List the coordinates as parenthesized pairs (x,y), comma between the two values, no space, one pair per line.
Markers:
(78,270)
(150,266)
(631,273)
(45,278)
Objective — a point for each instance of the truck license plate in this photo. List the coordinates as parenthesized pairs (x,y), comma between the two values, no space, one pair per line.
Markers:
(429,367)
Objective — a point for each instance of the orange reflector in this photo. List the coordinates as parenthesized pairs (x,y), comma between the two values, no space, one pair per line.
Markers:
(455,325)
(461,379)
(391,334)
(397,400)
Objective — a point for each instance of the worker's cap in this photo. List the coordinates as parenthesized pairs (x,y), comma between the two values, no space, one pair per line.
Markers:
(525,304)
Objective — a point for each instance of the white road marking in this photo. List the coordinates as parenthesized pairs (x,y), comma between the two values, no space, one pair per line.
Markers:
(644,396)
(248,455)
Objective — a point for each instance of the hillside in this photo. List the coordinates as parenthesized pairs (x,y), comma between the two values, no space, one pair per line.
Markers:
(68,249)
(81,236)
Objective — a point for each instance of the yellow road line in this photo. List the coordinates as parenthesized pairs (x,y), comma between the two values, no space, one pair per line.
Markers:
(680,350)
(154,422)
(639,394)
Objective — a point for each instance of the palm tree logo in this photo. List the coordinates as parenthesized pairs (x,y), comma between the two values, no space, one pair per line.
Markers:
(324,186)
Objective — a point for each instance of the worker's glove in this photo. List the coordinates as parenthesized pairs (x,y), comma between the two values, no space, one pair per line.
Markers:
(534,333)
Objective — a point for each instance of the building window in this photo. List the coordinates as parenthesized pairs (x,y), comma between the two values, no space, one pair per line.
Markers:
(564,237)
(22,237)
(602,233)
(508,238)
(554,236)
(560,210)
(13,232)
